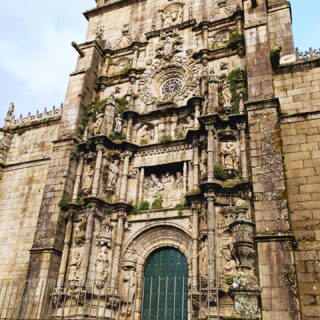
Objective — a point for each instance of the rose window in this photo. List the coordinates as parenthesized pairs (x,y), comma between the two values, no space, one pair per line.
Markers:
(171,87)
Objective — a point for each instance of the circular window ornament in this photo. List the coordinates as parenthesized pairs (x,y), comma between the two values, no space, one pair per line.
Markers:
(171,87)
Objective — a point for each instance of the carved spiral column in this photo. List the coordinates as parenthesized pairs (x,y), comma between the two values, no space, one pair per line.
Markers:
(87,245)
(117,251)
(245,288)
(243,148)
(210,163)
(195,164)
(211,237)
(129,130)
(125,173)
(78,178)
(65,252)
(97,170)
(195,236)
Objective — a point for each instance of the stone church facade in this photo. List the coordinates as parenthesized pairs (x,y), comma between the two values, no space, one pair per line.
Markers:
(184,163)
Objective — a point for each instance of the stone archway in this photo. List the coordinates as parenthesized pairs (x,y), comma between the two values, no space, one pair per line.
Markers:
(142,245)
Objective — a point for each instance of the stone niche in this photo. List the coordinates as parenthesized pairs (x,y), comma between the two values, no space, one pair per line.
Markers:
(164,186)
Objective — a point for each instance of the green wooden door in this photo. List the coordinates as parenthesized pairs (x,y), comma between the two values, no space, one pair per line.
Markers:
(165,294)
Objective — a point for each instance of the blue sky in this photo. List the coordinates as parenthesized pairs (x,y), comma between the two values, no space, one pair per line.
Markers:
(36,57)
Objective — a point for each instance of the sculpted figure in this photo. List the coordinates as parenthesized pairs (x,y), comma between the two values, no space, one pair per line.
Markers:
(230,264)
(118,124)
(10,115)
(167,181)
(225,90)
(113,173)
(97,126)
(75,265)
(153,186)
(87,179)
(229,156)
(145,133)
(179,180)
(102,264)
(189,124)
(203,258)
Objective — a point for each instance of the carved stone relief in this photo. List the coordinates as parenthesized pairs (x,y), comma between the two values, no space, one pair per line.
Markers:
(203,260)
(74,266)
(112,175)
(87,178)
(230,159)
(104,237)
(125,39)
(172,14)
(102,264)
(222,10)
(146,134)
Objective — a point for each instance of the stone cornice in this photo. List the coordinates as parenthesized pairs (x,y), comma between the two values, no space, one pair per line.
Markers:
(109,7)
(274,237)
(300,65)
(263,104)
(303,116)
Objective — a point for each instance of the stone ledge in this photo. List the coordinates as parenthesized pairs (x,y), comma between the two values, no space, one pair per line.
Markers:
(263,104)
(303,116)
(300,65)
(274,238)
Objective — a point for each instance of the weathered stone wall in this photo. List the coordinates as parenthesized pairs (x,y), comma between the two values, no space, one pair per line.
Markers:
(21,191)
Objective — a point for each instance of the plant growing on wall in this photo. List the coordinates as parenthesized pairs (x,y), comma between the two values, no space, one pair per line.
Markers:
(220,172)
(157,203)
(237,78)
(122,105)
(234,39)
(165,138)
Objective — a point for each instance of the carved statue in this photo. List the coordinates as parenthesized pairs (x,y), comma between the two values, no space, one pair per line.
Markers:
(75,265)
(172,15)
(129,275)
(146,134)
(226,95)
(179,180)
(10,115)
(118,124)
(229,156)
(189,124)
(153,186)
(125,39)
(203,258)
(102,264)
(105,235)
(87,179)
(113,174)
(114,94)
(97,126)
(80,232)
(230,264)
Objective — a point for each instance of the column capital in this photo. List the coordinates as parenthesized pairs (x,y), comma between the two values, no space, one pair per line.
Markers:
(210,196)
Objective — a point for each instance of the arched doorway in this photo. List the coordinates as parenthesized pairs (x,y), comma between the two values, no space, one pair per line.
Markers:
(165,294)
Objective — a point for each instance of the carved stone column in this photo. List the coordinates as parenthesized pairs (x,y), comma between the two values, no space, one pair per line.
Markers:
(195,236)
(97,170)
(141,184)
(173,130)
(205,36)
(243,150)
(195,164)
(78,178)
(244,288)
(117,251)
(65,252)
(211,237)
(185,177)
(124,179)
(129,130)
(210,161)
(87,245)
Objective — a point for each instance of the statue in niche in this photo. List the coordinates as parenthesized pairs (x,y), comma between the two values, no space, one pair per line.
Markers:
(119,66)
(153,186)
(172,15)
(189,123)
(114,94)
(179,181)
(5,140)
(125,39)
(229,155)
(167,181)
(10,115)
(203,260)
(113,174)
(102,264)
(229,262)
(118,124)
(74,266)
(225,95)
(129,275)
(104,237)
(146,134)
(80,231)
(169,45)
(87,179)
(97,126)
(220,39)
(223,10)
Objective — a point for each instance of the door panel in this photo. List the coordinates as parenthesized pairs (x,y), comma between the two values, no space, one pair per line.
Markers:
(165,294)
